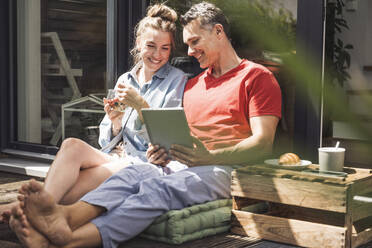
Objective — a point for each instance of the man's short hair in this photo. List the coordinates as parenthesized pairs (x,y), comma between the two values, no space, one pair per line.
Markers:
(208,14)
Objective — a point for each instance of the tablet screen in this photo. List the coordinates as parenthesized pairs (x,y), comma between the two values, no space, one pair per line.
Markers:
(167,126)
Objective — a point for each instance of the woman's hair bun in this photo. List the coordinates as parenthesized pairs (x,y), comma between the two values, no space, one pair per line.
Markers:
(162,11)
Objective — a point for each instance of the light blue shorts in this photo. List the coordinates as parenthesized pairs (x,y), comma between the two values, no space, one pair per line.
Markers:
(137,194)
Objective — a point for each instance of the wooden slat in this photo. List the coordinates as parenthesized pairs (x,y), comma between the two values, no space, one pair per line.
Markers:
(63,15)
(60,25)
(348,217)
(292,174)
(290,231)
(81,11)
(362,186)
(361,210)
(361,238)
(83,46)
(292,192)
(72,5)
(307,214)
(79,36)
(239,202)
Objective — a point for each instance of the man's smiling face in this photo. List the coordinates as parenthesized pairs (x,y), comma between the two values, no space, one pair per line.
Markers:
(202,43)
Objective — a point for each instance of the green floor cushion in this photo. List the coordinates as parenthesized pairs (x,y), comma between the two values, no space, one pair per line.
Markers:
(195,222)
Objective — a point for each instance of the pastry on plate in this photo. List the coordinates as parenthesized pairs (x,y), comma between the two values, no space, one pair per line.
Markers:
(289,159)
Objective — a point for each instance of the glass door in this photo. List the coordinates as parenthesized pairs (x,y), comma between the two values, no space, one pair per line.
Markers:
(61,61)
(348,83)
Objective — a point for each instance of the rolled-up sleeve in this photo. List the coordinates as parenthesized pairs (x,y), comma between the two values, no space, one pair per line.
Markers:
(105,132)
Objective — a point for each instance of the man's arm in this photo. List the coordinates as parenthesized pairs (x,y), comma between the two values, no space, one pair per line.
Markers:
(250,149)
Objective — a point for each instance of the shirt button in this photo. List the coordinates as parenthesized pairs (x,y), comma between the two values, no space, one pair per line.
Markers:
(129,153)
(125,142)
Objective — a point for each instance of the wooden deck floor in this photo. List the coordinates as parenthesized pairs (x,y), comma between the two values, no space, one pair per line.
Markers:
(9,184)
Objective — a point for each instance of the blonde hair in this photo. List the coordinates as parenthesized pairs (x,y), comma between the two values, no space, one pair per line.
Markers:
(159,17)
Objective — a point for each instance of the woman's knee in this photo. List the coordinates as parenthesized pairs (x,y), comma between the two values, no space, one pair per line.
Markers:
(72,145)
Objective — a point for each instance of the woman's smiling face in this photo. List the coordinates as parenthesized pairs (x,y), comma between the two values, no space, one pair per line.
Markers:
(155,48)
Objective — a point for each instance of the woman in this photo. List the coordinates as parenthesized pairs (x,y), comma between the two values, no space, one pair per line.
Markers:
(78,167)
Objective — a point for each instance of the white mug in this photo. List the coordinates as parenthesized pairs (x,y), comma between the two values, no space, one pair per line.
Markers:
(331,158)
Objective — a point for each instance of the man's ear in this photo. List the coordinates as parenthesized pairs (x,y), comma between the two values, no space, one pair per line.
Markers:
(218,29)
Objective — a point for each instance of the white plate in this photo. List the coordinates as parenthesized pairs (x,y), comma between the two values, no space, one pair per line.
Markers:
(275,162)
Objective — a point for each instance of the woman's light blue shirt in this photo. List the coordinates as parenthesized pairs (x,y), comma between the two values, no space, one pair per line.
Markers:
(164,90)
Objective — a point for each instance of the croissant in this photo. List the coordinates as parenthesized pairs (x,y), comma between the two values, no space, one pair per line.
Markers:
(289,159)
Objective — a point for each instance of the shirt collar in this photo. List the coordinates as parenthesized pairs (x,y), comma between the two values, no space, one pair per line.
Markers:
(209,70)
(161,73)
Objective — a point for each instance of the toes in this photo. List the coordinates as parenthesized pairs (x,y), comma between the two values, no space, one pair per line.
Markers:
(25,231)
(22,204)
(5,216)
(14,211)
(21,190)
(19,212)
(22,201)
(21,198)
(24,221)
(12,223)
(35,186)
(24,190)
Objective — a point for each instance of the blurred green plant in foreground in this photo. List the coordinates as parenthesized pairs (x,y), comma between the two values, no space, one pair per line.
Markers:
(262,29)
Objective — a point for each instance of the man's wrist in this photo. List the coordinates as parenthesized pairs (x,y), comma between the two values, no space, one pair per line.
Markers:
(221,156)
(214,157)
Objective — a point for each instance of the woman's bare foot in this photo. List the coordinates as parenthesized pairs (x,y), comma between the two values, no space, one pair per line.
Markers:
(5,211)
(26,234)
(44,214)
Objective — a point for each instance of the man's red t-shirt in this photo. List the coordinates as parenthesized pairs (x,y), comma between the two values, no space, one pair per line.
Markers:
(218,109)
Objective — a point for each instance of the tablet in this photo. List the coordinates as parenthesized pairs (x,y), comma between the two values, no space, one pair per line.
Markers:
(167,126)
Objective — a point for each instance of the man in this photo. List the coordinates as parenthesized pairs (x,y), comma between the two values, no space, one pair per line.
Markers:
(232,108)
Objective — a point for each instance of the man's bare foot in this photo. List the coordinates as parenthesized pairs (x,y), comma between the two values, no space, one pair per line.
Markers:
(5,211)
(44,214)
(26,234)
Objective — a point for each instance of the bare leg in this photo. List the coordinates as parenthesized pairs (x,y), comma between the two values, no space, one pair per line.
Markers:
(90,179)
(54,221)
(73,156)
(85,236)
(26,234)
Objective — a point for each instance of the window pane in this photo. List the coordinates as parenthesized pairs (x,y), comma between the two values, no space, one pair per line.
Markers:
(348,84)
(261,31)
(61,57)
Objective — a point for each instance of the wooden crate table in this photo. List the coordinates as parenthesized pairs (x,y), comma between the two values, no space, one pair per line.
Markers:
(303,209)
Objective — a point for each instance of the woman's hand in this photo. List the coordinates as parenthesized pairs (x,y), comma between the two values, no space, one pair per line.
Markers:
(130,97)
(157,155)
(114,116)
